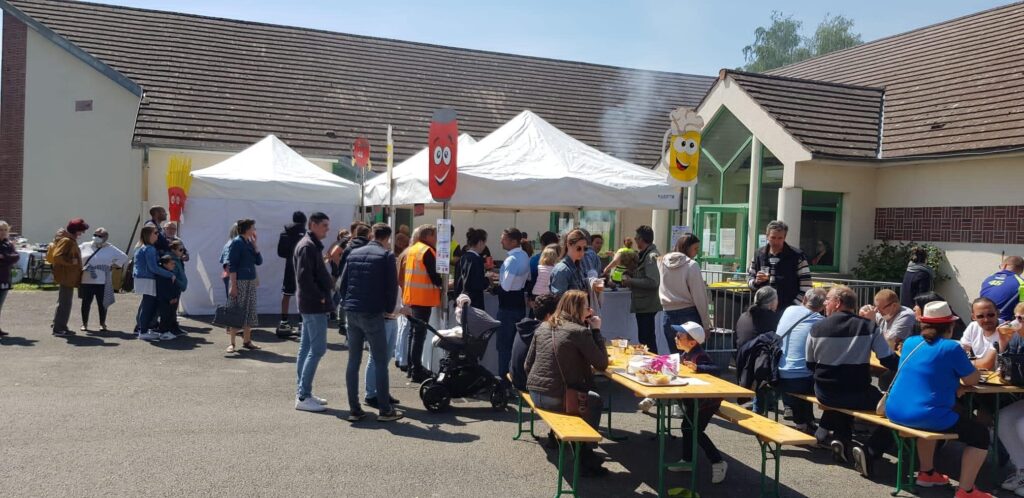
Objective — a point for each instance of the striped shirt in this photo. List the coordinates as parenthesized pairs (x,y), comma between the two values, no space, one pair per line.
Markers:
(839,353)
(789,270)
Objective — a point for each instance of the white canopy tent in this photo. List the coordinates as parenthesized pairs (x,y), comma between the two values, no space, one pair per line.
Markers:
(528,163)
(265,182)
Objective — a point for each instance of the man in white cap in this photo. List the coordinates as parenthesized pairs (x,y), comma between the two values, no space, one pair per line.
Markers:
(689,340)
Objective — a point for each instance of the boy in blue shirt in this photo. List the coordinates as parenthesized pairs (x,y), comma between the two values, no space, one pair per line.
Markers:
(689,338)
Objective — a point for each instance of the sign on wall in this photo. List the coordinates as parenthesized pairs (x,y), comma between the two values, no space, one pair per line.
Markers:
(179,181)
(682,154)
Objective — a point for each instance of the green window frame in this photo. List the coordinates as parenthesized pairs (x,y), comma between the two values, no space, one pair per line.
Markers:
(837,211)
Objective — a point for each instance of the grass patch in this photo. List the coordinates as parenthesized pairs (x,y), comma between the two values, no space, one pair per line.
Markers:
(22,286)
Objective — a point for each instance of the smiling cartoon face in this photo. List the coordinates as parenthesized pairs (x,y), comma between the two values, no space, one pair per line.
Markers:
(683,155)
(443,154)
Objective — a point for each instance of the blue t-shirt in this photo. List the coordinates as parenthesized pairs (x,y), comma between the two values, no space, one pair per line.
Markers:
(793,364)
(1003,288)
(924,392)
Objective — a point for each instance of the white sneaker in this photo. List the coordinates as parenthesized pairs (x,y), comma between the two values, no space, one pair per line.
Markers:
(1014,482)
(646,404)
(718,471)
(149,336)
(680,466)
(677,411)
(309,404)
(167,336)
(318,399)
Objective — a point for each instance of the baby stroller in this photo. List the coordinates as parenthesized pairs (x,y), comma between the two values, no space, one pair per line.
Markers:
(461,375)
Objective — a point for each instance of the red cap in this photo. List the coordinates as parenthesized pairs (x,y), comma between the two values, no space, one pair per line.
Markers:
(77,225)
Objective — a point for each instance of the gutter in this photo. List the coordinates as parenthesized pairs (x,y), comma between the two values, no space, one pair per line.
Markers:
(73,49)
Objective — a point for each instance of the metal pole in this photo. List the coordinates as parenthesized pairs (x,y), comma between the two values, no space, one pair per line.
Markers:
(446,214)
(392,219)
(362,194)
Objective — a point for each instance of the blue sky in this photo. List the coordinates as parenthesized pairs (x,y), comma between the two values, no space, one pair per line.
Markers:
(690,36)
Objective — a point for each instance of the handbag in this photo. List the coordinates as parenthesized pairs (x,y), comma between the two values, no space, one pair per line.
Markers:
(229,316)
(880,407)
(574,401)
(1011,368)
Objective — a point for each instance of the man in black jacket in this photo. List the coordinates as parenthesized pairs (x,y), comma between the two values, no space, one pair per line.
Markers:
(543,307)
(781,266)
(839,355)
(286,243)
(314,299)
(370,285)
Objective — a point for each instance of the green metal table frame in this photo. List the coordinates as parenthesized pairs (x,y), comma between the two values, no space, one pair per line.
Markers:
(664,421)
(576,447)
(520,422)
(770,451)
(906,462)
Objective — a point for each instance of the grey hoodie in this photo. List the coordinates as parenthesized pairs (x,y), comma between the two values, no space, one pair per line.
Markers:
(682,285)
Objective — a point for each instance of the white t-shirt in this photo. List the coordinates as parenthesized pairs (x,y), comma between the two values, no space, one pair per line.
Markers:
(975,337)
(107,255)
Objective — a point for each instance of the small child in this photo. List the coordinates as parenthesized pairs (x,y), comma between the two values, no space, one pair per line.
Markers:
(689,337)
(167,294)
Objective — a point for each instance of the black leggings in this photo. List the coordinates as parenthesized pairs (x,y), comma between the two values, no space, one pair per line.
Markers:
(418,336)
(705,443)
(87,292)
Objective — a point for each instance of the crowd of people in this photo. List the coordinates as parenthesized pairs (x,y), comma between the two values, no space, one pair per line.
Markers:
(549,342)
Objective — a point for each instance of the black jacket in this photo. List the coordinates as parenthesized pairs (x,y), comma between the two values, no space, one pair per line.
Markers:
(521,346)
(746,358)
(166,289)
(286,242)
(791,270)
(313,282)
(471,279)
(917,280)
(369,281)
(353,244)
(754,323)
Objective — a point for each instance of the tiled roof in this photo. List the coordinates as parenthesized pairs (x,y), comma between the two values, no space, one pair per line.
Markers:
(952,87)
(224,84)
(829,119)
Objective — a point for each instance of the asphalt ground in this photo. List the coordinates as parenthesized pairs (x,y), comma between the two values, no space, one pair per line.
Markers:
(108,415)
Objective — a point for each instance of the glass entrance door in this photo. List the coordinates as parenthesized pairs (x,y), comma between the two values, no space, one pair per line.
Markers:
(723,234)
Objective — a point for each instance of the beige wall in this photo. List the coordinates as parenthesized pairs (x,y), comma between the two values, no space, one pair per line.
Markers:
(956,182)
(858,188)
(77,164)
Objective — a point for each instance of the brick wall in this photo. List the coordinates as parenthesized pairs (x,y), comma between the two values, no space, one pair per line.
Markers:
(12,121)
(977,224)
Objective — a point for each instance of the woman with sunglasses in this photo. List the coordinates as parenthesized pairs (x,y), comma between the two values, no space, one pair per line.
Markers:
(568,273)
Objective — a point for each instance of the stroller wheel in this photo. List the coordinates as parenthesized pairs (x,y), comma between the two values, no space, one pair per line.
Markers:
(499,397)
(435,396)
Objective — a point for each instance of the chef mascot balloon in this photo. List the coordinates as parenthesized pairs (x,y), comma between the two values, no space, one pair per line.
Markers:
(683,146)
(443,145)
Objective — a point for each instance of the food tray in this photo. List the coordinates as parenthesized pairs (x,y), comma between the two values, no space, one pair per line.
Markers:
(675,381)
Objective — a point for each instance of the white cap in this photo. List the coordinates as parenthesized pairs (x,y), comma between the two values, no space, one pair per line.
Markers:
(692,329)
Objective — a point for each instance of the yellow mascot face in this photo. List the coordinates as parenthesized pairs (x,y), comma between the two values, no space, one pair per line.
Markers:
(683,155)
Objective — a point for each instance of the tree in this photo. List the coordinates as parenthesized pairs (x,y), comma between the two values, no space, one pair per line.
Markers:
(781,44)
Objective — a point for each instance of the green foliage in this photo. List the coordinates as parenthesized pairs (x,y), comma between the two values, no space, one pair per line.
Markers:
(781,44)
(887,261)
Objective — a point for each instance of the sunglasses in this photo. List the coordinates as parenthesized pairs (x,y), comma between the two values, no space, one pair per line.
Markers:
(984,315)
(580,248)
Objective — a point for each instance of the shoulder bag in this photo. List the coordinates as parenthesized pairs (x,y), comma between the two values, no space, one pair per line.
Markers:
(880,408)
(574,401)
(230,316)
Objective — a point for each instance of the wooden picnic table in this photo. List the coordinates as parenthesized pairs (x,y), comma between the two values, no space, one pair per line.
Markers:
(708,387)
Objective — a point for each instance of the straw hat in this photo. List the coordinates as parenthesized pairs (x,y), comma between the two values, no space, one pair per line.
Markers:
(938,312)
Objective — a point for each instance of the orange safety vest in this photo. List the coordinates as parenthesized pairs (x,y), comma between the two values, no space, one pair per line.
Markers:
(418,289)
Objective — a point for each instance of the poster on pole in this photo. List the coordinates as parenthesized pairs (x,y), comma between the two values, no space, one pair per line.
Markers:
(442,145)
(677,232)
(444,243)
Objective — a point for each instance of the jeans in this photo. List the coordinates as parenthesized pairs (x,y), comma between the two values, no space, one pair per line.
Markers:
(146,314)
(312,346)
(705,443)
(402,341)
(3,297)
(507,337)
(677,317)
(418,336)
(595,406)
(369,327)
(391,333)
(62,313)
(88,292)
(803,412)
(645,331)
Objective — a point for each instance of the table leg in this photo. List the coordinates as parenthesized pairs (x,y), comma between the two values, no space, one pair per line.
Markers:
(994,454)
(608,398)
(694,428)
(661,447)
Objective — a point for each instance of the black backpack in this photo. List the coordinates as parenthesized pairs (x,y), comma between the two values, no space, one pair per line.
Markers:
(128,277)
(766,365)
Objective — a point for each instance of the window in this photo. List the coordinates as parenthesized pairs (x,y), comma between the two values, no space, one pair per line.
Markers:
(820,217)
(596,222)
(768,197)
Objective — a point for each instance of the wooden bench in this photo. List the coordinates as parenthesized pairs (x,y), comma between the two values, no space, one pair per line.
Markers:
(771,436)
(567,429)
(905,437)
